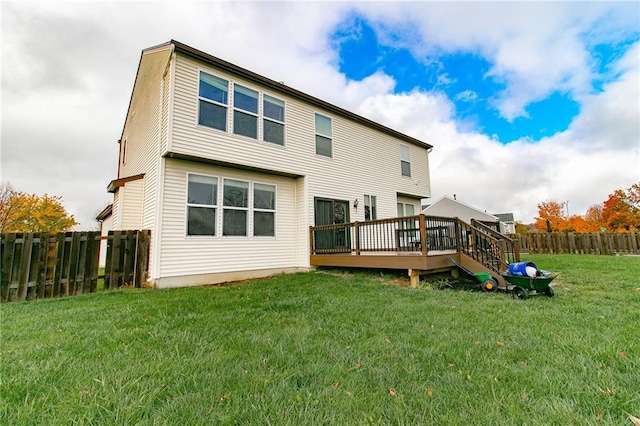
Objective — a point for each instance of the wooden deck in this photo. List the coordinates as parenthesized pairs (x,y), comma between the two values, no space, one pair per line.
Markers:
(418,244)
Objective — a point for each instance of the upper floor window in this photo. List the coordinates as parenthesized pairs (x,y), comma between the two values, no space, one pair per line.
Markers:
(370,207)
(213,100)
(405,160)
(245,111)
(202,197)
(236,206)
(264,210)
(273,121)
(323,136)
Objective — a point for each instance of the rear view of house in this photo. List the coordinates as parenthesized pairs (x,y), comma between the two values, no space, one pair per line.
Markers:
(229,169)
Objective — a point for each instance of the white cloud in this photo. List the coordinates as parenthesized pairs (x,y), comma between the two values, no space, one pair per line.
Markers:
(466,96)
(68,70)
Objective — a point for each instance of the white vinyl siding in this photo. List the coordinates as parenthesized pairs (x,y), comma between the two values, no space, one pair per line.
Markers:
(357,149)
(132,198)
(182,255)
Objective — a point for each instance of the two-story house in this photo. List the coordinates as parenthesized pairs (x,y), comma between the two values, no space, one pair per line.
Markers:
(229,169)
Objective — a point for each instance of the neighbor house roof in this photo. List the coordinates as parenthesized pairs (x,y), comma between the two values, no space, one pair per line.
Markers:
(105,213)
(505,217)
(454,208)
(282,88)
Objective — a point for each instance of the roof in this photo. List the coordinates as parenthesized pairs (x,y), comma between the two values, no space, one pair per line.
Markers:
(280,87)
(505,217)
(105,213)
(446,203)
(117,183)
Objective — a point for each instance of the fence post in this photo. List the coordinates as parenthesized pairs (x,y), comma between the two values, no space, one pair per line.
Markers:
(7,255)
(41,273)
(25,266)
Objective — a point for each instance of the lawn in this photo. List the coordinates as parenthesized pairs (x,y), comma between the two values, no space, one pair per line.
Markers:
(331,347)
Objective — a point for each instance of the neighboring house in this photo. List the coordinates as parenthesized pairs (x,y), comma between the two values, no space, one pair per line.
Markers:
(105,217)
(507,223)
(229,169)
(450,207)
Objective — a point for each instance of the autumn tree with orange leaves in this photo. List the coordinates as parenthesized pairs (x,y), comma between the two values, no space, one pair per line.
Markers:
(621,211)
(551,217)
(22,212)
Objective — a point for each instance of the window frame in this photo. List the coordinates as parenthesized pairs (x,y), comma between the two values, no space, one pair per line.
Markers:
(405,148)
(214,206)
(325,136)
(370,201)
(273,120)
(256,115)
(255,209)
(236,208)
(400,204)
(213,102)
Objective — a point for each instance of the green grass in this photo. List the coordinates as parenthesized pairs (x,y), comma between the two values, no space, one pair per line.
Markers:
(331,347)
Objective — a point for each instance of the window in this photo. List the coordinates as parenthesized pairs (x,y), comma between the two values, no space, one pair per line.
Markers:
(202,196)
(405,160)
(236,205)
(323,136)
(273,121)
(406,210)
(264,210)
(213,101)
(370,207)
(245,111)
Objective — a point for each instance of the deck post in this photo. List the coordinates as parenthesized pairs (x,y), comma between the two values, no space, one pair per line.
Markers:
(423,235)
(414,277)
(356,226)
(311,240)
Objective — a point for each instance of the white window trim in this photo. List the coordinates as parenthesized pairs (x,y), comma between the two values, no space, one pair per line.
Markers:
(264,117)
(315,133)
(187,205)
(257,115)
(247,209)
(371,198)
(228,105)
(402,160)
(274,211)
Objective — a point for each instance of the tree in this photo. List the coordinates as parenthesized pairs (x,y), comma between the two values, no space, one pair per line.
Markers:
(621,211)
(593,218)
(21,212)
(551,217)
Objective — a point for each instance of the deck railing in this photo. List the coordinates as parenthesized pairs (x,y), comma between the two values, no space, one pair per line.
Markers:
(417,234)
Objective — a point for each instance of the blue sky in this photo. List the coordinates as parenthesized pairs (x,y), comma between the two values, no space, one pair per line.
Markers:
(465,78)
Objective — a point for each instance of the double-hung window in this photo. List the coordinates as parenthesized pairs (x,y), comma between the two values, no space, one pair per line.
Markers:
(405,160)
(370,207)
(273,121)
(264,210)
(245,111)
(324,136)
(212,101)
(236,205)
(202,196)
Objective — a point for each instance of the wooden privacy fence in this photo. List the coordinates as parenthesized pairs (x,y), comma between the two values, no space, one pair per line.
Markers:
(44,265)
(595,243)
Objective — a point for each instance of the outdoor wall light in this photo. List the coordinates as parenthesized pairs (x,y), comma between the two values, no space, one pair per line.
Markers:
(355,203)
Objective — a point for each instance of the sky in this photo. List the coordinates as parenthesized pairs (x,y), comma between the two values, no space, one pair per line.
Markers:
(522,102)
